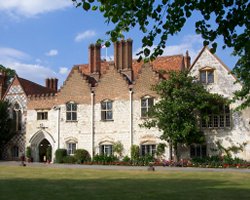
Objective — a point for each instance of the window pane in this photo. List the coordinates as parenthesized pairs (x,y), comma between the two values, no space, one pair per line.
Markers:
(150,102)
(74,107)
(74,116)
(210,76)
(204,150)
(210,121)
(68,107)
(216,121)
(68,116)
(109,115)
(109,105)
(144,103)
(221,120)
(144,112)
(192,151)
(103,105)
(203,77)
(103,115)
(198,151)
(228,124)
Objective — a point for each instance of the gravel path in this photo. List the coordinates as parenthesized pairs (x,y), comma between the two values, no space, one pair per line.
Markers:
(113,167)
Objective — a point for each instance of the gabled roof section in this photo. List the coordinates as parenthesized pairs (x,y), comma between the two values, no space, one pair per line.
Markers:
(31,88)
(215,56)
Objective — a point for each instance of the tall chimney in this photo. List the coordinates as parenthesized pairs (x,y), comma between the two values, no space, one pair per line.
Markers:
(51,83)
(123,54)
(187,60)
(97,58)
(91,58)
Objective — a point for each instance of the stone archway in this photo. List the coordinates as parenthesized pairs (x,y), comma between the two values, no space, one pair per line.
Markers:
(39,143)
(44,151)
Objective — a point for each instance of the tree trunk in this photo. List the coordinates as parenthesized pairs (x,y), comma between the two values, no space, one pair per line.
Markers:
(176,157)
(170,150)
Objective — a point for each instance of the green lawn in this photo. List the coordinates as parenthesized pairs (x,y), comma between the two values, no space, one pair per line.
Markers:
(35,183)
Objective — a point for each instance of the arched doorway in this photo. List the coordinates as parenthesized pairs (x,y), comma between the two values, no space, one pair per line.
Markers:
(45,151)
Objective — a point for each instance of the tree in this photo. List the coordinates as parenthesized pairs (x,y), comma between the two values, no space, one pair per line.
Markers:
(180,109)
(157,20)
(9,72)
(6,133)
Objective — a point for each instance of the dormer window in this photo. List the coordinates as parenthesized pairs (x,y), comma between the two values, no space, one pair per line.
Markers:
(207,75)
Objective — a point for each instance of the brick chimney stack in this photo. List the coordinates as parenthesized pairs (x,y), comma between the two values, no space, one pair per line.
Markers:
(51,83)
(3,83)
(187,60)
(123,54)
(95,59)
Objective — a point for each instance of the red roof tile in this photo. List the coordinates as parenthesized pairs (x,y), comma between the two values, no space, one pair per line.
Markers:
(31,88)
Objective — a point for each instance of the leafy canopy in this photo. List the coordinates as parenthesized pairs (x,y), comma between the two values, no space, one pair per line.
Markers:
(178,112)
(157,20)
(9,72)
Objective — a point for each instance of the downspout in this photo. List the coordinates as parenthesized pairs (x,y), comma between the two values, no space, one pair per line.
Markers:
(92,124)
(131,117)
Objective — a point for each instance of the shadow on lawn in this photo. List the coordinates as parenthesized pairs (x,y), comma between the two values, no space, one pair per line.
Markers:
(129,189)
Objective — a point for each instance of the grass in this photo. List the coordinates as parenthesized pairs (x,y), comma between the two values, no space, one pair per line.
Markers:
(49,183)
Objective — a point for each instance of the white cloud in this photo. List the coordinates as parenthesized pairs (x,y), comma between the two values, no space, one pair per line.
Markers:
(30,8)
(52,52)
(12,54)
(192,43)
(63,70)
(84,35)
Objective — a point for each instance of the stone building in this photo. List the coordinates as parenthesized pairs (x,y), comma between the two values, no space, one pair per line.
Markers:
(102,103)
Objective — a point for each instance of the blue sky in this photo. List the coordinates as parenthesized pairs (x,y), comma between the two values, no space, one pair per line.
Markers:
(44,38)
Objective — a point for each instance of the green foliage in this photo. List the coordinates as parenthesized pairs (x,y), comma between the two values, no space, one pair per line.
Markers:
(135,152)
(126,159)
(160,149)
(157,20)
(118,148)
(6,132)
(28,152)
(9,72)
(178,113)
(60,154)
(82,155)
(232,149)
(104,159)
(69,159)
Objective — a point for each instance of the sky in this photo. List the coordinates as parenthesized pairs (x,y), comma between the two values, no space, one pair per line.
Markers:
(44,39)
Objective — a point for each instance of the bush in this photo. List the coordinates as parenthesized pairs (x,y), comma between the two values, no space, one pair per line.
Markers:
(69,159)
(126,159)
(81,155)
(135,152)
(104,159)
(28,152)
(60,155)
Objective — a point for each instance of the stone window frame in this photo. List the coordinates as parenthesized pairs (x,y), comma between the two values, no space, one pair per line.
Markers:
(146,107)
(71,112)
(106,149)
(220,120)
(71,147)
(106,110)
(207,71)
(198,150)
(42,115)
(17,116)
(148,149)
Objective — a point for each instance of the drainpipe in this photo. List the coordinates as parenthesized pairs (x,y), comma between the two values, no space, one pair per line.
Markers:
(131,116)
(58,125)
(92,124)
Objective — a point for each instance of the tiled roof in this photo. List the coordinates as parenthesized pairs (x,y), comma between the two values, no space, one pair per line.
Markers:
(31,88)
(166,63)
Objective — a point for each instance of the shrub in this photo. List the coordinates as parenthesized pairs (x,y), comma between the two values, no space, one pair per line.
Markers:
(28,152)
(69,159)
(60,154)
(104,159)
(81,155)
(126,159)
(118,148)
(135,153)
